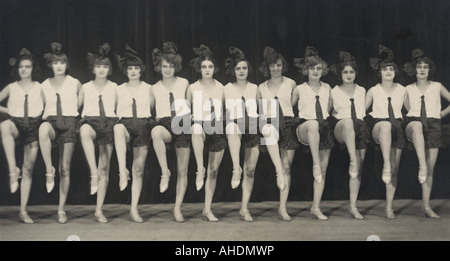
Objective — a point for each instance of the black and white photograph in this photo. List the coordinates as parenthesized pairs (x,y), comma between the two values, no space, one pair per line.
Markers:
(243,123)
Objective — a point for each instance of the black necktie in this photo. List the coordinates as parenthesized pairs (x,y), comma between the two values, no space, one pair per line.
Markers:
(391,113)
(244,113)
(281,117)
(59,116)
(26,122)
(353,113)
(134,114)
(423,114)
(319,114)
(213,113)
(172,106)
(102,112)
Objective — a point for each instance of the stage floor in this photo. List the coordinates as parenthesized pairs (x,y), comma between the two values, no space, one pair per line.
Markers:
(159,225)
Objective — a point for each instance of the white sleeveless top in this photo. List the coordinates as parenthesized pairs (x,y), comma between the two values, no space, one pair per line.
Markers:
(307,102)
(68,94)
(432,100)
(162,98)
(342,104)
(380,101)
(233,100)
(125,97)
(16,100)
(201,107)
(284,94)
(91,98)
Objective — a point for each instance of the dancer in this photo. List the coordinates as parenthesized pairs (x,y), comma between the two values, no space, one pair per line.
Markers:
(60,94)
(98,98)
(423,120)
(349,128)
(134,125)
(25,107)
(241,127)
(167,92)
(313,100)
(385,120)
(278,133)
(206,97)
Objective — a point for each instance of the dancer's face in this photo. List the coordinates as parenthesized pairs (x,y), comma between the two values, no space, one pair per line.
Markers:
(348,74)
(207,69)
(167,69)
(388,73)
(276,69)
(422,70)
(134,72)
(101,71)
(25,69)
(241,70)
(59,67)
(315,72)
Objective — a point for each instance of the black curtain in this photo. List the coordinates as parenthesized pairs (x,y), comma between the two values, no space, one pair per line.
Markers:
(286,25)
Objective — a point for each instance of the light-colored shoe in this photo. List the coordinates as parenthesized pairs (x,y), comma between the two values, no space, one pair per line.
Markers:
(50,185)
(283,215)
(353,170)
(317,214)
(429,213)
(355,213)
(200,179)
(94,183)
(62,217)
(389,213)
(164,183)
(23,216)
(123,182)
(135,217)
(209,216)
(14,180)
(281,182)
(178,216)
(245,215)
(236,179)
(317,174)
(100,217)
(386,176)
(422,177)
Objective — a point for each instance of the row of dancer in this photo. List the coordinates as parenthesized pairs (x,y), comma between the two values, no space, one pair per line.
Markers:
(120,117)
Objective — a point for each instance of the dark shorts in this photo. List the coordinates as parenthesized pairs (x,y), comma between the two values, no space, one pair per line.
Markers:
(325,133)
(248,140)
(432,136)
(362,134)
(68,133)
(28,134)
(398,134)
(139,134)
(104,135)
(288,139)
(182,140)
(214,142)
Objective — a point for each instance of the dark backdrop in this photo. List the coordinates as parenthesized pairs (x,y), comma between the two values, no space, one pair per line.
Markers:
(287,26)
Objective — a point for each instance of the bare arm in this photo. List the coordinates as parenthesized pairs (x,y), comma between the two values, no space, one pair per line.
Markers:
(446,95)
(3,95)
(369,98)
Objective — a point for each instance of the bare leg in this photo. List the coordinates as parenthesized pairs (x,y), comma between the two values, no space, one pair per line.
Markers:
(382,135)
(345,134)
(214,160)
(391,187)
(287,157)
(183,155)
(198,139)
(251,158)
(428,185)
(354,185)
(308,133)
(161,136)
(105,153)
(319,187)
(46,135)
(414,132)
(139,158)
(121,138)
(29,158)
(65,160)
(87,137)
(9,133)
(271,136)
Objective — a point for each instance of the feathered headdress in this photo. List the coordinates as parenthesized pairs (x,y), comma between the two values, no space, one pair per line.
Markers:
(235,53)
(169,51)
(343,58)
(300,63)
(130,57)
(103,52)
(201,52)
(13,60)
(384,55)
(408,67)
